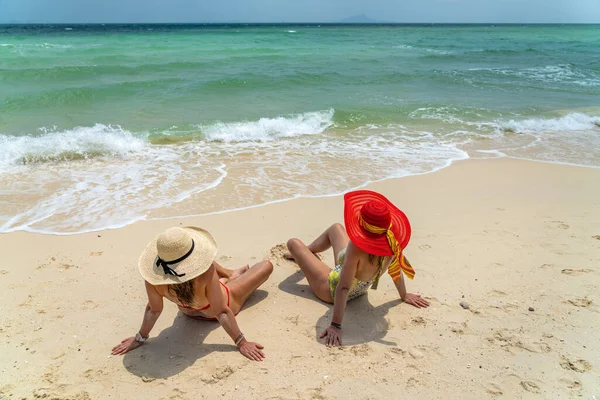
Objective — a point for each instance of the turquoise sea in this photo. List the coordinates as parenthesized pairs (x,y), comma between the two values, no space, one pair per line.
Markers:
(103,125)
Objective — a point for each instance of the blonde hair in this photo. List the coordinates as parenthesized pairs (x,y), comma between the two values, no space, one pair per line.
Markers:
(183,291)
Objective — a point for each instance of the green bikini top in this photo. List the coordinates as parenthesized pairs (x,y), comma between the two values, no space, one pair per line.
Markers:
(342,256)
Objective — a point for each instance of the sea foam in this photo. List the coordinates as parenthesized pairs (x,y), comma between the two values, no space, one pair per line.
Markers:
(67,145)
(309,123)
(570,122)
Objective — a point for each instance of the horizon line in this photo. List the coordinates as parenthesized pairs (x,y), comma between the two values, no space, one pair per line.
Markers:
(299,22)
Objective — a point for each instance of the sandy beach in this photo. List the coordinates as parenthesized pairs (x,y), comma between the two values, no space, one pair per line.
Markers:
(519,241)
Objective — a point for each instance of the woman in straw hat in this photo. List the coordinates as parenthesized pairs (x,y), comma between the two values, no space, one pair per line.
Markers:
(179,265)
(376,233)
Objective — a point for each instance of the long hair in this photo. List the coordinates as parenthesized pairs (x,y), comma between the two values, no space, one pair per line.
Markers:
(183,291)
(379,260)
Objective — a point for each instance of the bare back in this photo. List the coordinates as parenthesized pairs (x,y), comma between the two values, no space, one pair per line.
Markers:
(200,305)
(367,269)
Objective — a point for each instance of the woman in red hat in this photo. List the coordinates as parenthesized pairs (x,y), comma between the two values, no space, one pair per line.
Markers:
(375,235)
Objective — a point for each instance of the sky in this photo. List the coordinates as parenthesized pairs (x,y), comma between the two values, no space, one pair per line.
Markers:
(152,11)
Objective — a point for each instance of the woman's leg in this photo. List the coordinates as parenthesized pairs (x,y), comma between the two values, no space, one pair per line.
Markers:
(245,284)
(335,236)
(315,270)
(226,274)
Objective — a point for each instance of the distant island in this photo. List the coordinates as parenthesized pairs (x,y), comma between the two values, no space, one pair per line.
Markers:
(360,19)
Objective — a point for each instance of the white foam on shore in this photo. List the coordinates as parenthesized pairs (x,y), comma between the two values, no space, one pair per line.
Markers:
(104,177)
(570,122)
(309,123)
(460,156)
(72,144)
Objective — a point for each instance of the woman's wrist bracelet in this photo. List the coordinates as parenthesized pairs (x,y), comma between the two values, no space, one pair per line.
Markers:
(336,325)
(239,339)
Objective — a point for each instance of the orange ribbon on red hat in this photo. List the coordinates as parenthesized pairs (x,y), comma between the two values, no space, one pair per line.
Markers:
(400,263)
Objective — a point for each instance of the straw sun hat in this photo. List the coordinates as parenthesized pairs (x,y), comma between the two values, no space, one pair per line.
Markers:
(177,255)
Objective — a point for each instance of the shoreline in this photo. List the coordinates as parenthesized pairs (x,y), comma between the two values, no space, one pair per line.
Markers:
(449,164)
(502,234)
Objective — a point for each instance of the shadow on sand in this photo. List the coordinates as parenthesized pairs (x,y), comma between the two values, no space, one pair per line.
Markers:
(362,322)
(179,346)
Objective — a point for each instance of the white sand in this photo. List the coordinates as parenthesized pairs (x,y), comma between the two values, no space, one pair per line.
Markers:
(503,235)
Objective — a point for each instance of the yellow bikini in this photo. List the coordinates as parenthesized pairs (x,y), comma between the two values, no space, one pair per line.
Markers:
(359,287)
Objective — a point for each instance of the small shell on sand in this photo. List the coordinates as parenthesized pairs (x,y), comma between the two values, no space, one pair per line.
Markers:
(464,305)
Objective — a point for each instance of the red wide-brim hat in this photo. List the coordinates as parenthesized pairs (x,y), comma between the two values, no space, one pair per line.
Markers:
(377,210)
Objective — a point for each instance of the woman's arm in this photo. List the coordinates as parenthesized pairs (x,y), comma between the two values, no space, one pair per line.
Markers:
(333,333)
(226,318)
(153,310)
(414,299)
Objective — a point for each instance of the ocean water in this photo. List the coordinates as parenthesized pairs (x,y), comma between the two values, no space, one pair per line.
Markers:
(104,125)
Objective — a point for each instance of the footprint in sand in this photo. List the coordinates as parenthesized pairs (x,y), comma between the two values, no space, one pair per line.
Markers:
(93,374)
(416,321)
(88,305)
(220,374)
(570,271)
(59,393)
(597,237)
(96,253)
(412,382)
(494,389)
(508,342)
(458,328)
(424,247)
(530,386)
(362,350)
(418,352)
(535,347)
(560,224)
(570,383)
(576,365)
(580,302)
(398,351)
(294,319)
(3,272)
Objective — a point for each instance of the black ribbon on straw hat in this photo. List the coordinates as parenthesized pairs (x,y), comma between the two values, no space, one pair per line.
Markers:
(165,264)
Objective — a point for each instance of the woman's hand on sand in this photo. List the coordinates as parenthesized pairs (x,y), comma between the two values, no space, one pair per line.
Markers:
(125,346)
(333,336)
(416,300)
(252,350)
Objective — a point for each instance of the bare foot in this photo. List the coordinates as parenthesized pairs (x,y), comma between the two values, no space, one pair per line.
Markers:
(236,273)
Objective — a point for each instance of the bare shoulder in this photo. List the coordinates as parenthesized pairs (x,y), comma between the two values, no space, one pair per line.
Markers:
(154,288)
(354,251)
(207,276)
